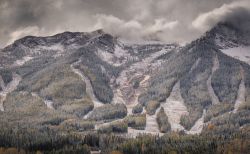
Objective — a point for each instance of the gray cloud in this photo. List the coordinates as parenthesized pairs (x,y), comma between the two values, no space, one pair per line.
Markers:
(166,20)
(236,13)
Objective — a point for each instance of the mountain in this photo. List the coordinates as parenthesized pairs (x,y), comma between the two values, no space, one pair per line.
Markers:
(203,84)
(47,80)
(232,41)
(95,82)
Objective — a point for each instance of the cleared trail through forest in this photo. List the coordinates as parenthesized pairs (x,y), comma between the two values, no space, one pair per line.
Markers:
(241,93)
(9,88)
(198,126)
(89,88)
(212,94)
(175,108)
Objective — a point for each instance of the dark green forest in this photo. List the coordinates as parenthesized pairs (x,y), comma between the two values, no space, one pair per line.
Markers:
(32,140)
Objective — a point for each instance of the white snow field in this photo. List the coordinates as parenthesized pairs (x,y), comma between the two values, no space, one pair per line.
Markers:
(242,53)
(175,108)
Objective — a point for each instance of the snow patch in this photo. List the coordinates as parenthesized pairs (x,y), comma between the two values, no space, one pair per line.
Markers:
(118,97)
(198,126)
(241,93)
(106,56)
(49,104)
(132,133)
(57,48)
(241,53)
(212,94)
(175,108)
(118,58)
(22,61)
(121,53)
(9,88)
(151,123)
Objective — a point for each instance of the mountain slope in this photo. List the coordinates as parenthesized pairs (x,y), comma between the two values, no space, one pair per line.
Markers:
(211,83)
(81,81)
(67,76)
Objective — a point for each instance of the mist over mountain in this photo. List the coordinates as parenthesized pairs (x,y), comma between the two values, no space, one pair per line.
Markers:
(163,20)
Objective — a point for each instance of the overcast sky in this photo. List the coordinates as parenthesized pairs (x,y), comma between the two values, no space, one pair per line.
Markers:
(166,20)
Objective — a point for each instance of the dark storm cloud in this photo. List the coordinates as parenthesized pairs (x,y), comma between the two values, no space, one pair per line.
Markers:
(166,20)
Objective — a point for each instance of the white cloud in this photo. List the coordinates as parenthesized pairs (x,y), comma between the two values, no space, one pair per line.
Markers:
(31,30)
(207,20)
(119,27)
(166,20)
(162,24)
(134,29)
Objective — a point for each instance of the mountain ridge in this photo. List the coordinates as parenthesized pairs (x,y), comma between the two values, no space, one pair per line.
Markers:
(64,76)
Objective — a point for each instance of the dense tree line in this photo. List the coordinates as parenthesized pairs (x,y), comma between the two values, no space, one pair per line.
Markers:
(52,142)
